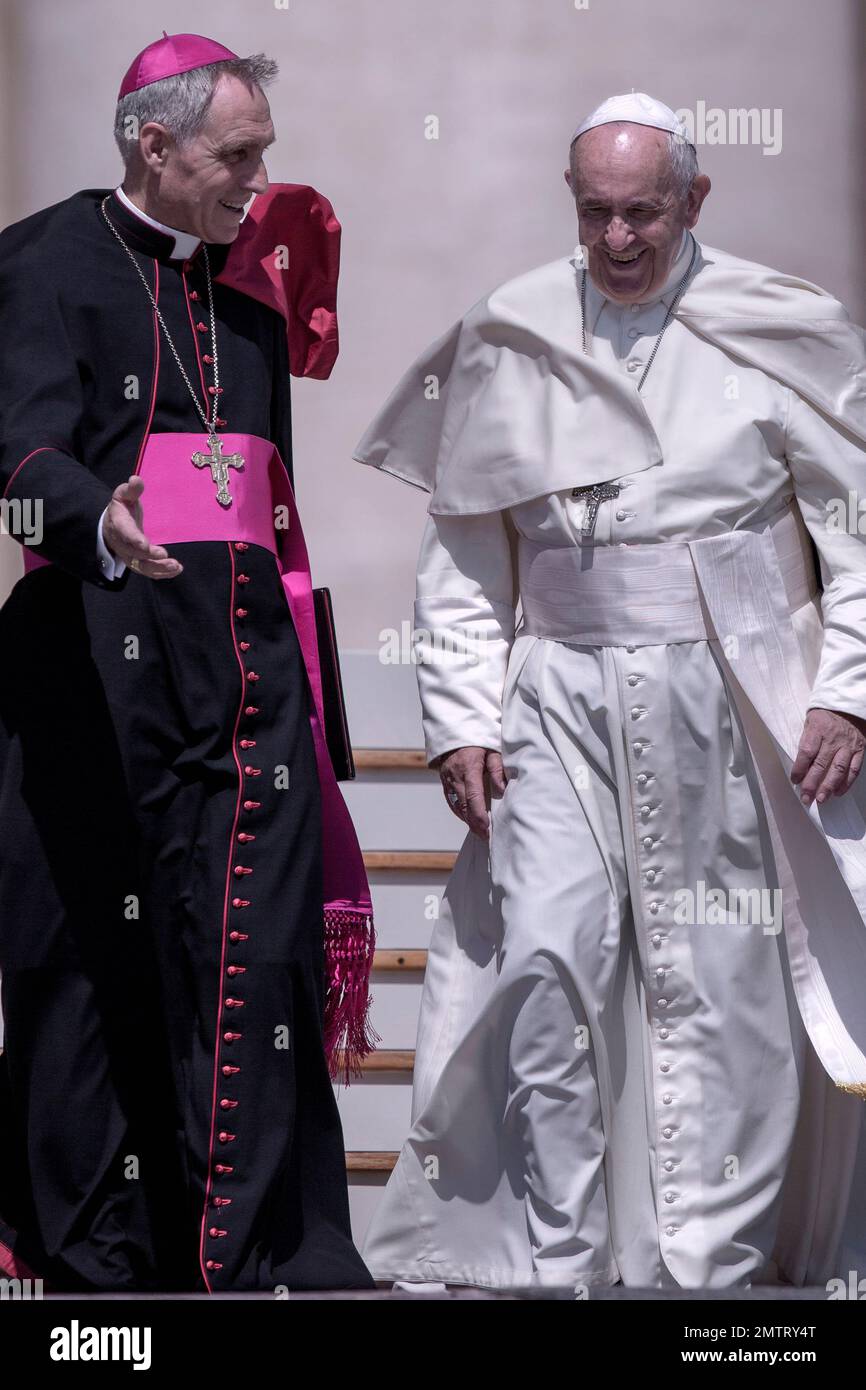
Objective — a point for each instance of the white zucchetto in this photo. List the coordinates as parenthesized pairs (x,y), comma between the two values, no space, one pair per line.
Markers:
(636,107)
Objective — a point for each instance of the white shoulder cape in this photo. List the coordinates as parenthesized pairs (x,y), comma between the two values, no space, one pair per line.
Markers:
(504,406)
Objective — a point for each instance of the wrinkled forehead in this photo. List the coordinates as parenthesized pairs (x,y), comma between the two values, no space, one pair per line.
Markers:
(622,159)
(239,112)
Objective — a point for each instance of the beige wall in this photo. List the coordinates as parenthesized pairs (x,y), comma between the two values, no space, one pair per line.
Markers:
(429,226)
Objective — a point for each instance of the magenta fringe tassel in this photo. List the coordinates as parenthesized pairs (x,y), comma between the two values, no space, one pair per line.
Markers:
(350,941)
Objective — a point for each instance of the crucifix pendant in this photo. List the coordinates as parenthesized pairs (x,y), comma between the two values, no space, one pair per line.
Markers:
(595,495)
(219,465)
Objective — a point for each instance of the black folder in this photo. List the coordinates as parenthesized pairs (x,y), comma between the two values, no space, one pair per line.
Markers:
(336,723)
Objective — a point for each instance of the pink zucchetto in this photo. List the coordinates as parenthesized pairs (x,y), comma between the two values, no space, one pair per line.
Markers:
(170,55)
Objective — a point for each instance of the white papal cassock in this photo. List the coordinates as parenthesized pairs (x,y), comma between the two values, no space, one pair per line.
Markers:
(639,998)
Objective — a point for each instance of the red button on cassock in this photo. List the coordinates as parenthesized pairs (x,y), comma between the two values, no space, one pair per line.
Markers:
(239,936)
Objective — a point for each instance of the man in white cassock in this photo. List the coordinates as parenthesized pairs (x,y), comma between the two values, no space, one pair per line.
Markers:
(642,1046)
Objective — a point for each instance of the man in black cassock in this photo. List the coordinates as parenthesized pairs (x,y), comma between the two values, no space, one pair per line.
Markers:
(166,1115)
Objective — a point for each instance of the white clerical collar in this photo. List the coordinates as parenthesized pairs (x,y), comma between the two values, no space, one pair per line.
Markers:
(679,267)
(185,243)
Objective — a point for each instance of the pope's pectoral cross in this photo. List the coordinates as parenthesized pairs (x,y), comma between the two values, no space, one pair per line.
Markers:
(219,465)
(595,495)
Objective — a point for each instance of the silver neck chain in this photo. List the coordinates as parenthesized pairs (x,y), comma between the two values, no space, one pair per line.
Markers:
(668,316)
(210,425)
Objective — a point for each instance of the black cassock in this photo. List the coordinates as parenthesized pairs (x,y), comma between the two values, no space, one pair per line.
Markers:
(153,1135)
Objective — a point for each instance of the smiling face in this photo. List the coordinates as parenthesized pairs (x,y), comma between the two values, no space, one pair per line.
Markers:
(630,214)
(202,186)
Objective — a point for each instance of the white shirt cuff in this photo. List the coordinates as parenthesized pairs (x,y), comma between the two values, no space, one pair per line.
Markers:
(111,566)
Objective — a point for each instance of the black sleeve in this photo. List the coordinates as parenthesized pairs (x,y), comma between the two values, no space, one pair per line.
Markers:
(281,397)
(40,421)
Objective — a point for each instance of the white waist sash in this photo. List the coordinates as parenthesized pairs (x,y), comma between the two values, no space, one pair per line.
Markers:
(618,595)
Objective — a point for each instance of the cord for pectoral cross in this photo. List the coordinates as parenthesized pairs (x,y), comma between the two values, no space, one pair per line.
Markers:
(603,492)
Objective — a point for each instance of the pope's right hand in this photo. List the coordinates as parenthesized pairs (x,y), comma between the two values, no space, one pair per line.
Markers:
(122,533)
(467,774)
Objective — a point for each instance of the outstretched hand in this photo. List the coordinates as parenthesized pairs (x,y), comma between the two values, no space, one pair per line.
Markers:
(122,533)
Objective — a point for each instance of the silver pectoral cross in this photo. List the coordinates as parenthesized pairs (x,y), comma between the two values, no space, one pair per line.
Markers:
(219,465)
(595,495)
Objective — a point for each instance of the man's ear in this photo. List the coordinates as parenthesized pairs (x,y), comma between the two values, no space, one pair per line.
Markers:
(697,193)
(153,144)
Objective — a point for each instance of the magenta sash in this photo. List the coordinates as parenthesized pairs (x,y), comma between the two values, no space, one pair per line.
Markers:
(179,504)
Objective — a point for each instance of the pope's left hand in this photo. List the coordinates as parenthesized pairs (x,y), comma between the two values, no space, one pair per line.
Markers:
(830,754)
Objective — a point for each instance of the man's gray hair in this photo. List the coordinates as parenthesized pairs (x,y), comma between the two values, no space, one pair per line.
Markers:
(683,157)
(181,103)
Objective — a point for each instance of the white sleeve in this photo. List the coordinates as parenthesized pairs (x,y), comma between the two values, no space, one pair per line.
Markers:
(828,467)
(464,621)
(111,566)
